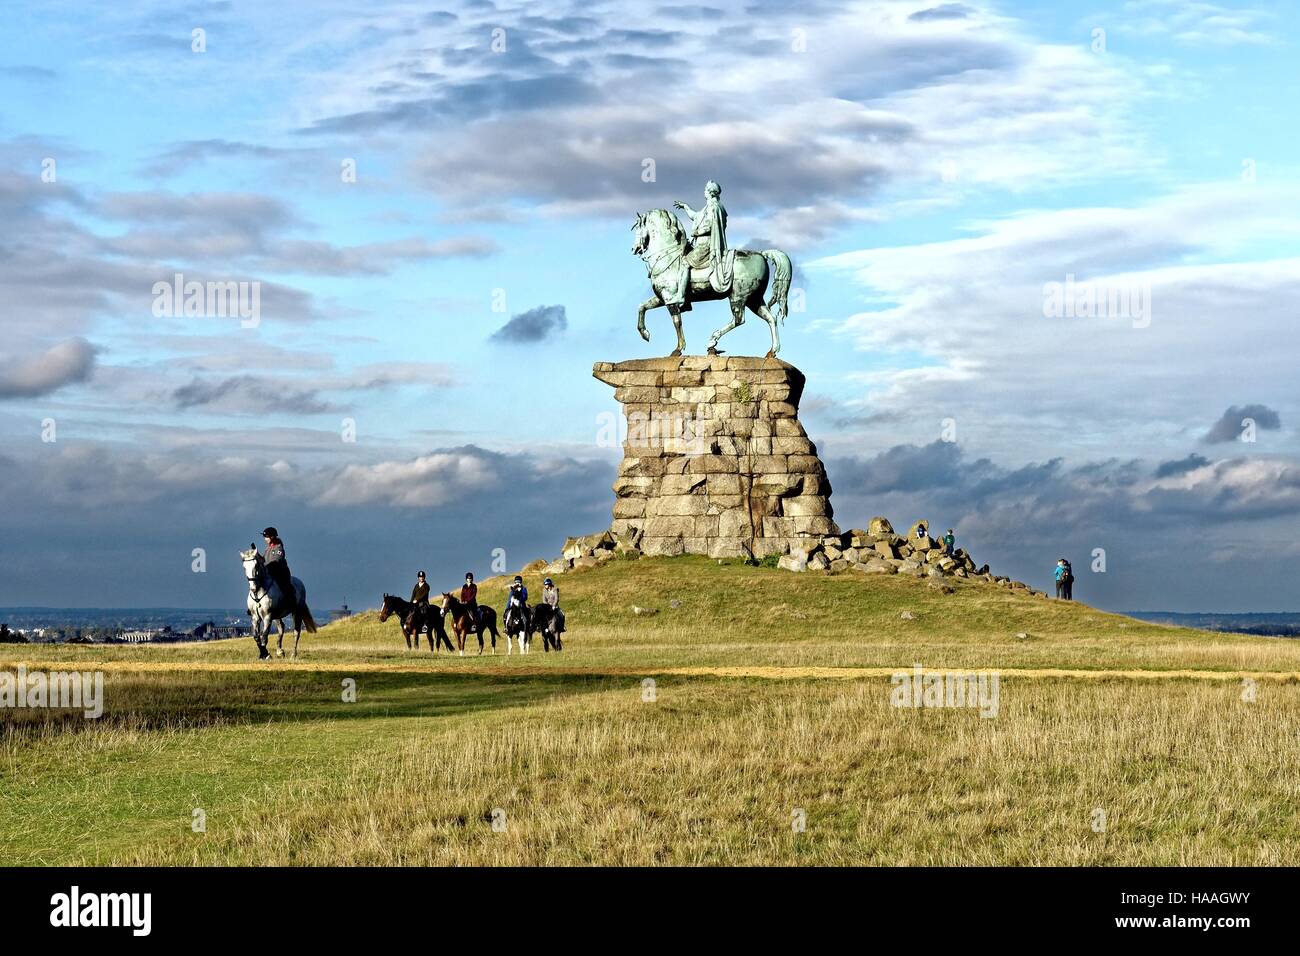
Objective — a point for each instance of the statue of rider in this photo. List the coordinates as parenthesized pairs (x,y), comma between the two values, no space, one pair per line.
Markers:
(708,245)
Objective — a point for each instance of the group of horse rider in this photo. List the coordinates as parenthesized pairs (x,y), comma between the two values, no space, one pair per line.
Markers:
(517,596)
(277,568)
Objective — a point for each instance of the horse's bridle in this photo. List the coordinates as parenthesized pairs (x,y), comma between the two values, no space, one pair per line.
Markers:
(254,586)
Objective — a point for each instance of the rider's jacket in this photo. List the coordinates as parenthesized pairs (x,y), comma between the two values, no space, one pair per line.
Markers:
(518,596)
(274,553)
(551,596)
(420,593)
(469,594)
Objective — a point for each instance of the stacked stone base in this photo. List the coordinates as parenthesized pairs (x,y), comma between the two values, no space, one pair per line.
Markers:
(716,461)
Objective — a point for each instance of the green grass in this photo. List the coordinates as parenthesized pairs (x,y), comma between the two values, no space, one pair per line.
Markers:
(586,771)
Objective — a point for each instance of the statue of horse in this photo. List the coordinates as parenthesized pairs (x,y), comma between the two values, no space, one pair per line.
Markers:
(415,618)
(661,244)
(266,605)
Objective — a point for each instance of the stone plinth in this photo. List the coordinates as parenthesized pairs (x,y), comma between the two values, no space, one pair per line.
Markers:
(715,460)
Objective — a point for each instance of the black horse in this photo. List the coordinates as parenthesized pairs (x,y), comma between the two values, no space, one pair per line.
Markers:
(415,618)
(546,620)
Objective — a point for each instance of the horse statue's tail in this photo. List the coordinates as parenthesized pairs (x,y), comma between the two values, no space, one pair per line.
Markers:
(304,615)
(781,271)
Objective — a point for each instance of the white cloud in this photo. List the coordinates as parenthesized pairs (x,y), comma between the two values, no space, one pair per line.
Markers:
(1220,330)
(67,362)
(425,482)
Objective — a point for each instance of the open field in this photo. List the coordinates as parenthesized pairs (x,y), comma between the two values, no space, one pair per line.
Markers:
(771,698)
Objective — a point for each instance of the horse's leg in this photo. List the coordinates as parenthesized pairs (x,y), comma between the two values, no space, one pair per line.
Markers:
(737,318)
(297,635)
(677,324)
(279,641)
(653,302)
(762,312)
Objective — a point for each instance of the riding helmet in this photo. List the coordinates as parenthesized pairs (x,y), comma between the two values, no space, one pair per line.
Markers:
(270,533)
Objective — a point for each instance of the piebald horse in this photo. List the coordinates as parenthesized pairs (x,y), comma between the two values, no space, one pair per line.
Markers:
(267,606)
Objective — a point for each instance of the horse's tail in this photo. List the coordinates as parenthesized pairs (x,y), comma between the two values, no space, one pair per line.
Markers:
(304,615)
(781,272)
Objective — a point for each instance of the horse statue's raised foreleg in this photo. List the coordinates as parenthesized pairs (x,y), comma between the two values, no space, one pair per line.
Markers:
(653,302)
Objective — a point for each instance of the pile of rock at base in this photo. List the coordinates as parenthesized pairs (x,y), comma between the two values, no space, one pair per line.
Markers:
(877,549)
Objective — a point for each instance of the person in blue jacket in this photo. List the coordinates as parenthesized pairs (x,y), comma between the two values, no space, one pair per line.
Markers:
(1064,580)
(518,595)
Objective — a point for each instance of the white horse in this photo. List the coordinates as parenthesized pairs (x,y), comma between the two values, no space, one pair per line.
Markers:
(266,605)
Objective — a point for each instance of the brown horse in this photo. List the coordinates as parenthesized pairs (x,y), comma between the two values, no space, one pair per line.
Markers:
(414,618)
(462,622)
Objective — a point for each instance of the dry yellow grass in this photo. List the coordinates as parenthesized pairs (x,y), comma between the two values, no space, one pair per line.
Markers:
(769,699)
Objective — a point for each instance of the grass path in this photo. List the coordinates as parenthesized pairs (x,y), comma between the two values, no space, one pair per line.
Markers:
(530,670)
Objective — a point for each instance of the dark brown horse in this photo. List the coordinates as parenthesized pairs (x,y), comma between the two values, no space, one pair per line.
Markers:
(547,621)
(414,618)
(462,621)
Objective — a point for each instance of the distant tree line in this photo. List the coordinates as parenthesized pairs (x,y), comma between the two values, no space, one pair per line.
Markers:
(8,636)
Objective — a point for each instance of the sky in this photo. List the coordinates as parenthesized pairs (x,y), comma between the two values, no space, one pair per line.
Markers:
(1047,258)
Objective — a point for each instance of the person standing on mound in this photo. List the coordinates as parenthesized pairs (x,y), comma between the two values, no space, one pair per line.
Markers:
(1064,580)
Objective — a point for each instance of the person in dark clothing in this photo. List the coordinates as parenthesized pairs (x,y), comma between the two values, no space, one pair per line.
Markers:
(949,540)
(419,597)
(420,593)
(277,567)
(469,595)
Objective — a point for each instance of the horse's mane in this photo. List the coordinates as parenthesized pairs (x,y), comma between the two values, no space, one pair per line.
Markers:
(670,223)
(679,234)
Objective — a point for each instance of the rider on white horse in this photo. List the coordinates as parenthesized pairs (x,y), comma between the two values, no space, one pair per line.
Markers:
(278,568)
